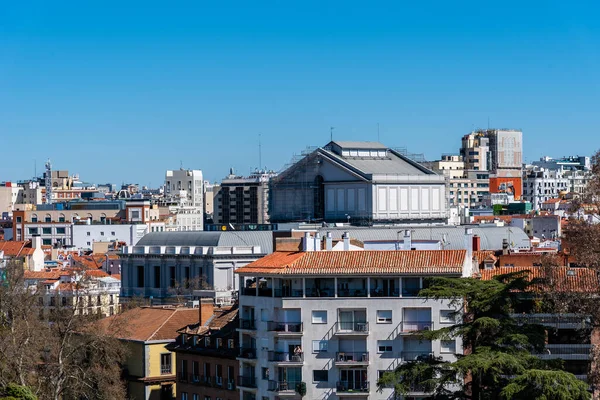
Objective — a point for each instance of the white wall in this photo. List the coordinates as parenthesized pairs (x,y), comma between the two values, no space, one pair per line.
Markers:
(84,234)
(414,201)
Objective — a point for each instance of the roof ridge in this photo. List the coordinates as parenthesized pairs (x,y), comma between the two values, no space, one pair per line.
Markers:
(164,322)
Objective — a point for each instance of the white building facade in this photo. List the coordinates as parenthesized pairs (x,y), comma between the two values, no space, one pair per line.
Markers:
(186,188)
(337,321)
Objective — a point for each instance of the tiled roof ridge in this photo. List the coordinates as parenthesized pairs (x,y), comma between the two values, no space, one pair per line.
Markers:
(173,311)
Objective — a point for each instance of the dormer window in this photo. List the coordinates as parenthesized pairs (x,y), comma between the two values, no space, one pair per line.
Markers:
(207,341)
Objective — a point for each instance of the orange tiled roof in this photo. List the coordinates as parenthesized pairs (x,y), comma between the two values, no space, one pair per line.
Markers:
(116,276)
(583,280)
(152,323)
(97,273)
(12,248)
(358,262)
(52,274)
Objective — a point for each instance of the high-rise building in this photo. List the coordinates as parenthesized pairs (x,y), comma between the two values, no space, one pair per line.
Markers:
(243,200)
(184,188)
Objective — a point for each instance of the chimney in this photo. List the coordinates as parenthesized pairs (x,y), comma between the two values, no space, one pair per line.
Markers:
(476,243)
(328,242)
(307,243)
(504,246)
(346,238)
(205,310)
(36,242)
(407,243)
(469,243)
(317,242)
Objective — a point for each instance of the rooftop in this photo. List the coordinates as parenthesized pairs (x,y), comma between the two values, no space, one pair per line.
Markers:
(264,239)
(561,279)
(358,263)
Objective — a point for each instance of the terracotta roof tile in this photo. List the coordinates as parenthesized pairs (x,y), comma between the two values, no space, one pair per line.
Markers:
(562,279)
(39,275)
(12,248)
(358,262)
(153,323)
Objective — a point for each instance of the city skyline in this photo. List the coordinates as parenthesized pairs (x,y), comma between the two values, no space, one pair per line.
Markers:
(144,88)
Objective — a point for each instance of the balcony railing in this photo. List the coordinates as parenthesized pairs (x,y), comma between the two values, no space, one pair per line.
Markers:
(265,292)
(183,377)
(283,386)
(248,352)
(410,292)
(279,356)
(288,292)
(352,293)
(289,327)
(314,292)
(415,326)
(352,386)
(385,293)
(247,324)
(246,381)
(352,327)
(416,355)
(194,378)
(248,291)
(352,357)
(165,369)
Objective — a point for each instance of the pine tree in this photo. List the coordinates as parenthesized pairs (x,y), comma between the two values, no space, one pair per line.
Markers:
(498,349)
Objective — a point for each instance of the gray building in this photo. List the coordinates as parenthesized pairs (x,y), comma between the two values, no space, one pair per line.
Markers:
(162,263)
(361,182)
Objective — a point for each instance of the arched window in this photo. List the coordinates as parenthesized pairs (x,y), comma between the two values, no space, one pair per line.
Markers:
(48,218)
(34,218)
(61,217)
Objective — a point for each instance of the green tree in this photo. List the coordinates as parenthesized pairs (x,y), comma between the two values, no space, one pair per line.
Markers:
(497,347)
(12,391)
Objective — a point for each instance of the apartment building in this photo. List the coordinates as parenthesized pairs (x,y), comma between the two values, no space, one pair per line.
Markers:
(334,322)
(184,187)
(243,200)
(207,366)
(541,185)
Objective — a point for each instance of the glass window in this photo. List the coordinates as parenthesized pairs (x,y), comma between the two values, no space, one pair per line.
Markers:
(319,317)
(384,316)
(447,316)
(320,375)
(33,231)
(165,364)
(447,346)
(60,231)
(319,346)
(47,231)
(384,346)
(265,373)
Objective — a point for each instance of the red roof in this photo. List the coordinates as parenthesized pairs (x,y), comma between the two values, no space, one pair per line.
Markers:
(562,279)
(358,263)
(13,248)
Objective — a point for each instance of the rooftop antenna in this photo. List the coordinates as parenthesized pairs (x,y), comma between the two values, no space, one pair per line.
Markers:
(259,153)
(331,128)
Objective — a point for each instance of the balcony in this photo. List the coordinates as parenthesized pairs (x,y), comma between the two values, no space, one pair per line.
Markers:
(287,387)
(265,292)
(410,292)
(248,291)
(352,328)
(286,358)
(416,355)
(165,369)
(352,387)
(566,352)
(294,328)
(415,326)
(246,382)
(352,358)
(385,293)
(352,293)
(249,324)
(248,353)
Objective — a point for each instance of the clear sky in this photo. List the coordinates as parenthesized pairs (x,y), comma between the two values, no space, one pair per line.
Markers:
(123,90)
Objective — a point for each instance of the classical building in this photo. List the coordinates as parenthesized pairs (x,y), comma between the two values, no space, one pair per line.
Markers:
(335,321)
(164,264)
(243,200)
(360,182)
(206,354)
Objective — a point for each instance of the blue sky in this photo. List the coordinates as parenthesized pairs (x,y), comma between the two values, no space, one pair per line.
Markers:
(121,91)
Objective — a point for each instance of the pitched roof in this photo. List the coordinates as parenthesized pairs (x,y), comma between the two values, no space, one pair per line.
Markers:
(358,263)
(562,279)
(39,275)
(153,323)
(219,320)
(12,248)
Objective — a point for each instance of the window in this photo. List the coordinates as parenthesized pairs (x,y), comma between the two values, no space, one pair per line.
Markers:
(33,231)
(195,396)
(47,231)
(157,277)
(447,316)
(47,242)
(319,317)
(34,218)
(320,375)
(265,373)
(207,341)
(165,364)
(319,346)
(61,218)
(135,214)
(47,218)
(19,220)
(60,231)
(184,396)
(101,233)
(89,243)
(89,233)
(384,316)
(230,343)
(384,346)
(113,233)
(447,346)
(140,276)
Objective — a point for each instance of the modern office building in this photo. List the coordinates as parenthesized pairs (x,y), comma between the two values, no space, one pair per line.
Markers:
(243,200)
(360,182)
(335,321)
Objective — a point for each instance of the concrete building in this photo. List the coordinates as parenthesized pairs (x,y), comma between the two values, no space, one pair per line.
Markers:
(337,320)
(578,163)
(210,191)
(243,200)
(206,354)
(361,182)
(83,236)
(161,264)
(184,189)
(540,185)
(10,195)
(475,151)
